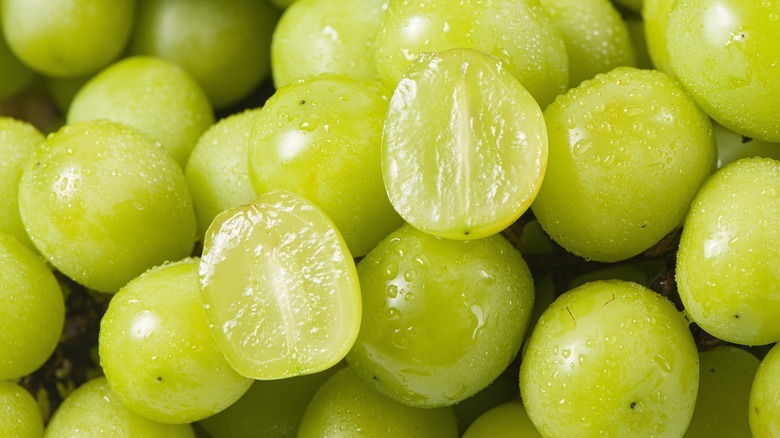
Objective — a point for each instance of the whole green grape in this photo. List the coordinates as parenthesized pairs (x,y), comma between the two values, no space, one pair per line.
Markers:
(655,15)
(104,203)
(726,272)
(500,391)
(764,408)
(157,350)
(610,358)
(19,413)
(442,318)
(507,420)
(14,75)
(152,95)
(627,152)
(725,53)
(94,410)
(62,91)
(636,31)
(67,37)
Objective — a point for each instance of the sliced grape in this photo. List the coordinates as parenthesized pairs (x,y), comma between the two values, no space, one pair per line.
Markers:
(280,288)
(764,408)
(464,146)
(507,420)
(19,413)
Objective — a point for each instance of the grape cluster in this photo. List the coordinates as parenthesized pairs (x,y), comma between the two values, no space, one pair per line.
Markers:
(389,218)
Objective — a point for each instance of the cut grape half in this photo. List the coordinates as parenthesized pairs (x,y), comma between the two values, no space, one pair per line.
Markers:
(280,288)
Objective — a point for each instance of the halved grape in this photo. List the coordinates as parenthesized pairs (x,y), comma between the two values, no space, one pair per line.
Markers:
(19,413)
(507,420)
(279,287)
(764,409)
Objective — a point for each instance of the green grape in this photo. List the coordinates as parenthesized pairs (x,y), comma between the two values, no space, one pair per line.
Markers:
(14,76)
(280,289)
(224,45)
(655,14)
(508,420)
(610,358)
(501,390)
(67,37)
(18,140)
(315,37)
(282,4)
(595,36)
(152,95)
(441,318)
(63,90)
(32,310)
(764,407)
(627,152)
(732,146)
(631,5)
(218,171)
(636,31)
(636,270)
(727,276)
(104,203)
(94,410)
(534,240)
(726,54)
(518,32)
(157,351)
(725,377)
(345,406)
(19,413)
(464,146)
(320,137)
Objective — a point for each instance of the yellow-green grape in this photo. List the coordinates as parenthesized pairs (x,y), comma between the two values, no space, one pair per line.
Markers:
(218,170)
(636,31)
(507,420)
(67,37)
(726,54)
(94,410)
(152,95)
(280,288)
(627,152)
(518,32)
(346,406)
(315,37)
(500,391)
(595,36)
(32,311)
(441,318)
(18,140)
(157,350)
(224,45)
(320,137)
(610,358)
(104,203)
(725,378)
(14,75)
(726,272)
(655,14)
(464,148)
(732,146)
(19,413)
(764,408)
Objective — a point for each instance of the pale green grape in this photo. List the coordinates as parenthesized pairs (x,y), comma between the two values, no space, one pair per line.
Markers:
(595,36)
(218,170)
(627,152)
(157,350)
(94,410)
(727,274)
(315,37)
(345,406)
(152,95)
(14,75)
(726,54)
(441,318)
(224,45)
(519,33)
(19,413)
(280,289)
(508,420)
(725,378)
(500,391)
(464,148)
(67,37)
(764,408)
(320,137)
(104,203)
(655,14)
(32,310)
(732,146)
(610,358)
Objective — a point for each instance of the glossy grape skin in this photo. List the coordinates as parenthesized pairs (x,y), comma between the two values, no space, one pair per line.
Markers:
(346,406)
(627,152)
(441,318)
(726,272)
(518,32)
(32,311)
(157,350)
(93,410)
(507,420)
(19,413)
(224,45)
(764,409)
(655,15)
(152,95)
(67,37)
(104,203)
(726,54)
(610,358)
(14,75)
(469,165)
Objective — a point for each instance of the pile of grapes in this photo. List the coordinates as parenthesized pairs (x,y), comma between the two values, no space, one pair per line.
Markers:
(389,218)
